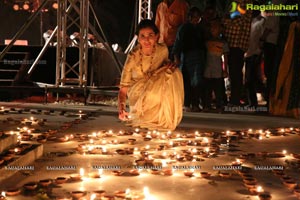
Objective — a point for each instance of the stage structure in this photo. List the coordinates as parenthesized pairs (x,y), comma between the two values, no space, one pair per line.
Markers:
(64,21)
(144,12)
(75,13)
(70,14)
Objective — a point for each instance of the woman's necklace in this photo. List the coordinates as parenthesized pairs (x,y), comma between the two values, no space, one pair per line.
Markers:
(150,64)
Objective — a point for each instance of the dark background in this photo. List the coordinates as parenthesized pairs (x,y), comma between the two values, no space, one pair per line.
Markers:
(116,18)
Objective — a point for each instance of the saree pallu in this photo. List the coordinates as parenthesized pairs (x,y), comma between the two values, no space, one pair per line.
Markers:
(156,102)
(286,100)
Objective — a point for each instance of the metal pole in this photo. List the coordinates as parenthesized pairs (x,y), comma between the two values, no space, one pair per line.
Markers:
(42,51)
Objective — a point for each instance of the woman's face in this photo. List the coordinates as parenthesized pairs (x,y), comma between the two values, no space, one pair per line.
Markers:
(147,38)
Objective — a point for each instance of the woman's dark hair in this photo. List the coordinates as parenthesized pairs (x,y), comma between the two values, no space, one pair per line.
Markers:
(146,23)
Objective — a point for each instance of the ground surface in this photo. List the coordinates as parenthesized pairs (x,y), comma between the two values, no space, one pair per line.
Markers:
(163,187)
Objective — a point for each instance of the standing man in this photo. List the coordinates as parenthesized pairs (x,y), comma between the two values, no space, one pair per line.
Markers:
(253,78)
(237,34)
(189,53)
(170,14)
(270,39)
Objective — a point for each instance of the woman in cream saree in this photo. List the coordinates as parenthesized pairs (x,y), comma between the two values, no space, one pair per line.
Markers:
(154,86)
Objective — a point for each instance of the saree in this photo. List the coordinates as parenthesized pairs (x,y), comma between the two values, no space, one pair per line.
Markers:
(155,99)
(286,100)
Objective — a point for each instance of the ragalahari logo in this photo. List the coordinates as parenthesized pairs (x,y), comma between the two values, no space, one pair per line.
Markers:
(236,10)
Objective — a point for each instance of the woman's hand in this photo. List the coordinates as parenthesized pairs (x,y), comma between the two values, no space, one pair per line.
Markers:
(123,115)
(172,66)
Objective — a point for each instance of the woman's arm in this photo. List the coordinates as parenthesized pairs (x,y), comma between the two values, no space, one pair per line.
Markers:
(123,115)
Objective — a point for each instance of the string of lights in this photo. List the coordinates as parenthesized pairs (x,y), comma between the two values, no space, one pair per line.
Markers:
(31,5)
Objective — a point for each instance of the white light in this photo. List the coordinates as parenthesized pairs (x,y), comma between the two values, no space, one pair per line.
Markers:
(284,151)
(26,6)
(205,140)
(146,192)
(259,189)
(127,193)
(164,163)
(55,6)
(81,172)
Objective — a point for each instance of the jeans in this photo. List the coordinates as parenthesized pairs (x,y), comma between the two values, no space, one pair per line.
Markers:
(217,86)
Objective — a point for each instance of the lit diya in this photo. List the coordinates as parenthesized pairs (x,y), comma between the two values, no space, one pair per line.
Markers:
(264,196)
(108,197)
(120,194)
(189,173)
(290,184)
(205,174)
(78,194)
(45,182)
(60,180)
(257,190)
(225,174)
(167,172)
(30,186)
(12,192)
(99,193)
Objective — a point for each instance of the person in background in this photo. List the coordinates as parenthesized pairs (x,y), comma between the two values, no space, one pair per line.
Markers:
(253,59)
(270,50)
(170,14)
(189,53)
(216,68)
(286,99)
(153,84)
(209,15)
(237,34)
